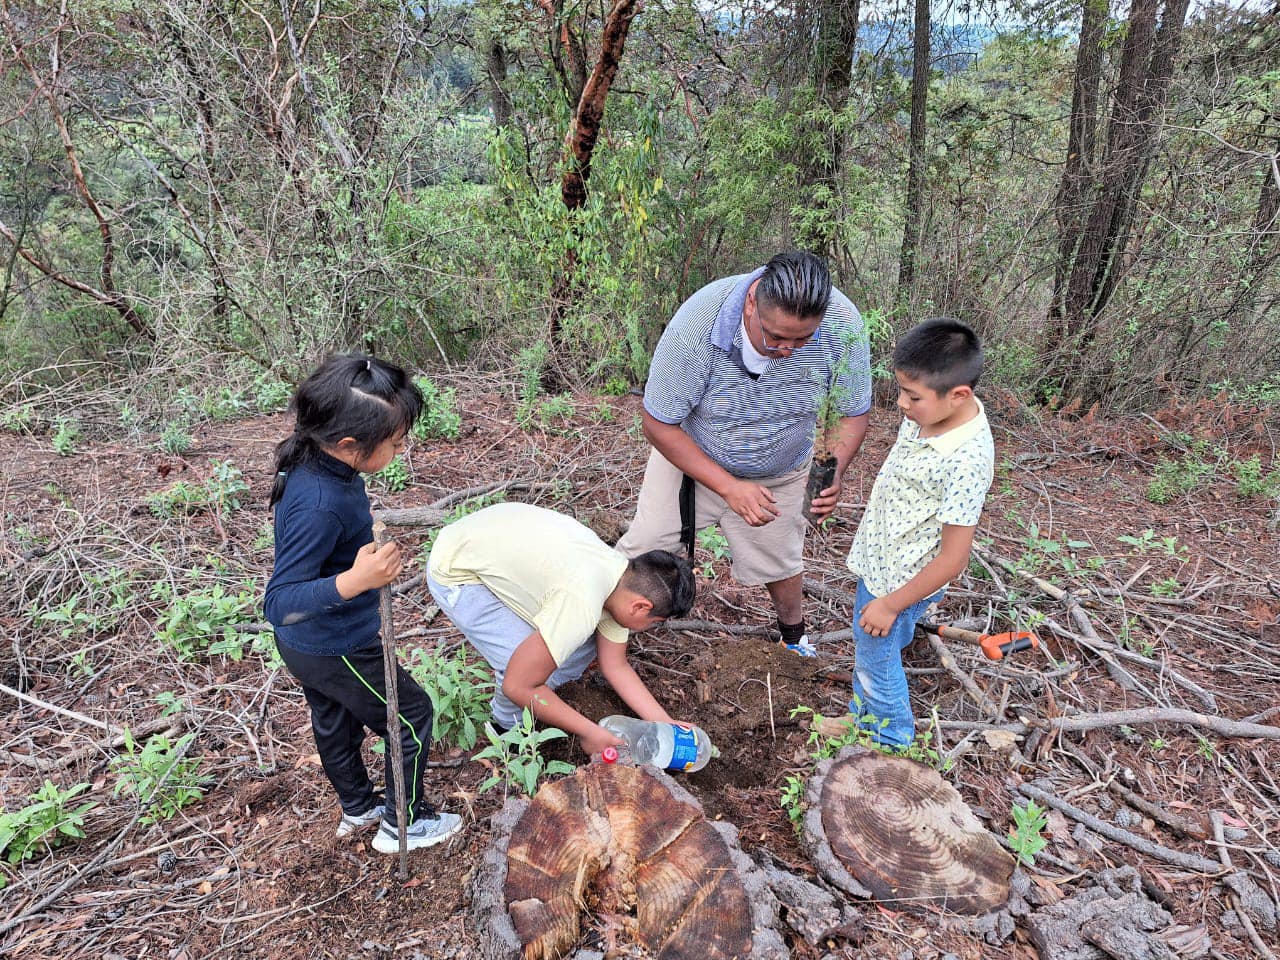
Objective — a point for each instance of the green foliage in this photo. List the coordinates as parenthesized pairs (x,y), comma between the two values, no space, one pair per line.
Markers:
(1169,587)
(1174,477)
(159,775)
(47,820)
(460,691)
(861,730)
(603,413)
(66,437)
(205,621)
(225,486)
(394,477)
(178,499)
(18,418)
(793,801)
(222,491)
(271,394)
(1026,835)
(1252,483)
(1147,541)
(440,417)
(175,439)
(517,758)
(1042,553)
(714,542)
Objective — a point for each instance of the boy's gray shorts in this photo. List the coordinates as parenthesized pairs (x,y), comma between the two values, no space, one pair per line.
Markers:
(495,630)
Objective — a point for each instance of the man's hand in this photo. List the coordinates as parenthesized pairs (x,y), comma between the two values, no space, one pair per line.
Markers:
(374,567)
(877,618)
(597,739)
(822,505)
(751,501)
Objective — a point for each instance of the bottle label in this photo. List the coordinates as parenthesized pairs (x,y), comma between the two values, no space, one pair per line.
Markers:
(685,752)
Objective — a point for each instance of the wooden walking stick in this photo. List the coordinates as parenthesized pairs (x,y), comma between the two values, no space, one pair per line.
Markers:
(393,708)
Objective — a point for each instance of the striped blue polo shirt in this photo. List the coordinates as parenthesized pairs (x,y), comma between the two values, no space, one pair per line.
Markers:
(753,427)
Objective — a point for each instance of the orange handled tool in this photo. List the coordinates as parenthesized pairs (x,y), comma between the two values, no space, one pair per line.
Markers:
(996,646)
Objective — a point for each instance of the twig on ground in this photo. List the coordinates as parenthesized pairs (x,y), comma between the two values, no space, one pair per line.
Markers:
(1189,861)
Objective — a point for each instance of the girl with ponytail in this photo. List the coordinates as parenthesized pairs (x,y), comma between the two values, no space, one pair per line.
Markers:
(352,416)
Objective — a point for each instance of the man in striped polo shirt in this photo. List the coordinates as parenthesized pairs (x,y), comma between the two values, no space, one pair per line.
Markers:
(732,403)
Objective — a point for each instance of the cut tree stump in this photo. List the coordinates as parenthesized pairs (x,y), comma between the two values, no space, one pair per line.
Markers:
(893,830)
(619,857)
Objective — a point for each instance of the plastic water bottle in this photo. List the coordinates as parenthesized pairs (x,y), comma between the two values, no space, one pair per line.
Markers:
(664,745)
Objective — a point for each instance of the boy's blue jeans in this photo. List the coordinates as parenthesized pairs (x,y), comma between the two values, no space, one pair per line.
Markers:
(879,682)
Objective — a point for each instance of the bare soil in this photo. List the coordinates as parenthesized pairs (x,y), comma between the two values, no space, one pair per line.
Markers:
(253,869)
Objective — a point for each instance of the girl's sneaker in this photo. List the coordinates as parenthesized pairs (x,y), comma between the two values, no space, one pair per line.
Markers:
(423,832)
(351,822)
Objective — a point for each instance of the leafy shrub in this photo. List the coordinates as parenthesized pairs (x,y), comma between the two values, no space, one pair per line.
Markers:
(223,490)
(1250,481)
(1026,835)
(197,619)
(175,439)
(460,691)
(225,485)
(162,778)
(440,417)
(46,821)
(66,436)
(19,418)
(394,477)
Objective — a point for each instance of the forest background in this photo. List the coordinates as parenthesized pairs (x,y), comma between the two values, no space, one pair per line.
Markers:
(199,197)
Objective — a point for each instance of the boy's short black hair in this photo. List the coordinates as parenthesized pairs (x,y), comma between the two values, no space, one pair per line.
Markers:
(664,579)
(941,351)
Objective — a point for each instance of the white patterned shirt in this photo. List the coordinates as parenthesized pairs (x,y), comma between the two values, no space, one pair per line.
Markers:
(924,484)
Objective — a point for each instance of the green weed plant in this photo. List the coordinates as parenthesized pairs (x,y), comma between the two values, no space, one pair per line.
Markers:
(460,691)
(47,820)
(517,758)
(1026,836)
(158,775)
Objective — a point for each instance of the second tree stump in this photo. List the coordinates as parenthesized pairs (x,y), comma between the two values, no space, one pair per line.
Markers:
(892,829)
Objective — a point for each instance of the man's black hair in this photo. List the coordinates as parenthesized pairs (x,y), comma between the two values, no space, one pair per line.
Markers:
(663,578)
(797,283)
(943,352)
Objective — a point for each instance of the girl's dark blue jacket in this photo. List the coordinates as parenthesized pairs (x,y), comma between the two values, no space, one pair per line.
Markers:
(321,521)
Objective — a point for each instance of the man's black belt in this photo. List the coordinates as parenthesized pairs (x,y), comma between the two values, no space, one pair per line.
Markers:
(686,513)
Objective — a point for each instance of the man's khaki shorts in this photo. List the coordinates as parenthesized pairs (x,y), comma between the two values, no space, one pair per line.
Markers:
(760,554)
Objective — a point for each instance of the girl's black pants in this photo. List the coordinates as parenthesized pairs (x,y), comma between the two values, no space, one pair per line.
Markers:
(347,693)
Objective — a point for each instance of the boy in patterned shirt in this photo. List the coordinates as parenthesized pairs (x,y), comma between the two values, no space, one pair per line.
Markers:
(918,527)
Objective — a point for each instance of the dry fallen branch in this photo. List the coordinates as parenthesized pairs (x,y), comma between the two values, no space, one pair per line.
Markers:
(1189,861)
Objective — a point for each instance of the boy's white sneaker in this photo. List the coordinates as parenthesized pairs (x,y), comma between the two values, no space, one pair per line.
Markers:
(350,823)
(423,832)
(802,646)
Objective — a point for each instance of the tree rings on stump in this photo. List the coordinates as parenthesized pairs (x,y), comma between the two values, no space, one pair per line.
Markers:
(893,829)
(617,856)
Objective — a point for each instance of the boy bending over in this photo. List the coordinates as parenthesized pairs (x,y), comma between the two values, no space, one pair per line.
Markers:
(540,596)
(917,530)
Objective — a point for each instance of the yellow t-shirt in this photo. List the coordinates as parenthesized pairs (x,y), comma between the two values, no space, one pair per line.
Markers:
(550,569)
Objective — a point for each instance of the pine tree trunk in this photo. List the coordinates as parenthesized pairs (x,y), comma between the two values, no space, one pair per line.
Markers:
(1137,111)
(1073,192)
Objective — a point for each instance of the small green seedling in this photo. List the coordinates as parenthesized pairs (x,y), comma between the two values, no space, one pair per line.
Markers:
(1026,836)
(517,757)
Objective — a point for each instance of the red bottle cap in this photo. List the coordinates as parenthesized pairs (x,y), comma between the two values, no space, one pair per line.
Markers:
(609,754)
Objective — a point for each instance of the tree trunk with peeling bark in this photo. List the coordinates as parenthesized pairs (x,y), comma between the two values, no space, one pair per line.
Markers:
(580,143)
